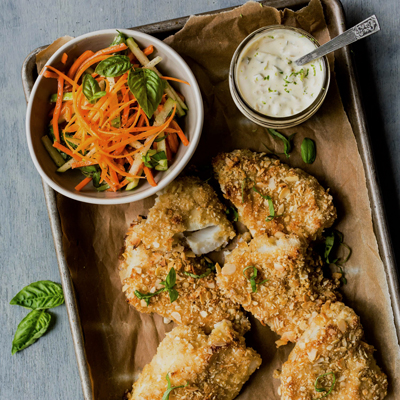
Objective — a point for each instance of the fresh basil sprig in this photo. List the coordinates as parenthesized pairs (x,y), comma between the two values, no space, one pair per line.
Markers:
(119,39)
(169,284)
(287,141)
(113,66)
(39,295)
(271,215)
(209,270)
(91,89)
(334,239)
(148,89)
(252,278)
(308,150)
(170,388)
(30,329)
(321,390)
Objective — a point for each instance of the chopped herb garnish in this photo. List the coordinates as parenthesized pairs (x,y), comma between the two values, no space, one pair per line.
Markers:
(170,388)
(287,91)
(286,141)
(313,66)
(209,270)
(271,215)
(241,15)
(252,278)
(271,37)
(321,390)
(169,284)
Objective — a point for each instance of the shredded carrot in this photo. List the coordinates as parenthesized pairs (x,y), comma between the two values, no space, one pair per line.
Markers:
(64,58)
(148,50)
(168,78)
(78,62)
(70,81)
(66,151)
(172,140)
(48,74)
(81,185)
(168,151)
(57,109)
(181,135)
(131,57)
(149,176)
(83,164)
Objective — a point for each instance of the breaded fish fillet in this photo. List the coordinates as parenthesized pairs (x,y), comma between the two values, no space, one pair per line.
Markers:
(213,367)
(289,288)
(186,212)
(301,205)
(332,349)
(199,300)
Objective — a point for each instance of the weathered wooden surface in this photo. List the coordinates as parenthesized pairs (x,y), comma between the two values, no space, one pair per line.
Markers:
(48,370)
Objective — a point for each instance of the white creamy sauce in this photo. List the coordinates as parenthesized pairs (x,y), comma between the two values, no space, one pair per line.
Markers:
(269,80)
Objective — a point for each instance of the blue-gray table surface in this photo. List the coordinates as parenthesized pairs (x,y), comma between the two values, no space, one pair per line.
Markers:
(48,369)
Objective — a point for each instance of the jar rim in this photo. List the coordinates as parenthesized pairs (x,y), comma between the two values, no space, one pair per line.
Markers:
(234,87)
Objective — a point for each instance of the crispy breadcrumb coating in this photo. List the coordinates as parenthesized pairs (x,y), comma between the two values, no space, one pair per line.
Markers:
(301,204)
(213,367)
(295,288)
(333,345)
(187,205)
(200,301)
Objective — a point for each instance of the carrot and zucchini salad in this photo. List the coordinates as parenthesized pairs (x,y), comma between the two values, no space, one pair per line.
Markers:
(115,117)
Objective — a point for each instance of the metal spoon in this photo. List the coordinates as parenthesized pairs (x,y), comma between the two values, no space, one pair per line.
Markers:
(360,31)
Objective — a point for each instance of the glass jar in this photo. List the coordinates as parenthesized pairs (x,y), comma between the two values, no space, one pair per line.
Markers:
(267,120)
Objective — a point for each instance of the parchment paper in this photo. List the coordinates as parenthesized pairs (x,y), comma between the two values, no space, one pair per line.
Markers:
(119,340)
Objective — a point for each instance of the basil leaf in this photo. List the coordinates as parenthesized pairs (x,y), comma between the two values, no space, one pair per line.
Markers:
(147,88)
(119,39)
(113,66)
(147,296)
(334,239)
(170,280)
(329,243)
(308,151)
(173,295)
(286,141)
(91,89)
(39,296)
(30,329)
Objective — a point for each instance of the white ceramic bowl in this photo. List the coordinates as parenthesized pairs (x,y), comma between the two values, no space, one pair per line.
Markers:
(37,119)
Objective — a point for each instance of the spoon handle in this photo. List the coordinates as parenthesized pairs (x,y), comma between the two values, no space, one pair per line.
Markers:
(360,31)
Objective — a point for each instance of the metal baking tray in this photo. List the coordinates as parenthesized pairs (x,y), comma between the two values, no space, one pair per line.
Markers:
(352,102)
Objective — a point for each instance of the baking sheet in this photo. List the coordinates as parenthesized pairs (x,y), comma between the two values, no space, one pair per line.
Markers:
(98,230)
